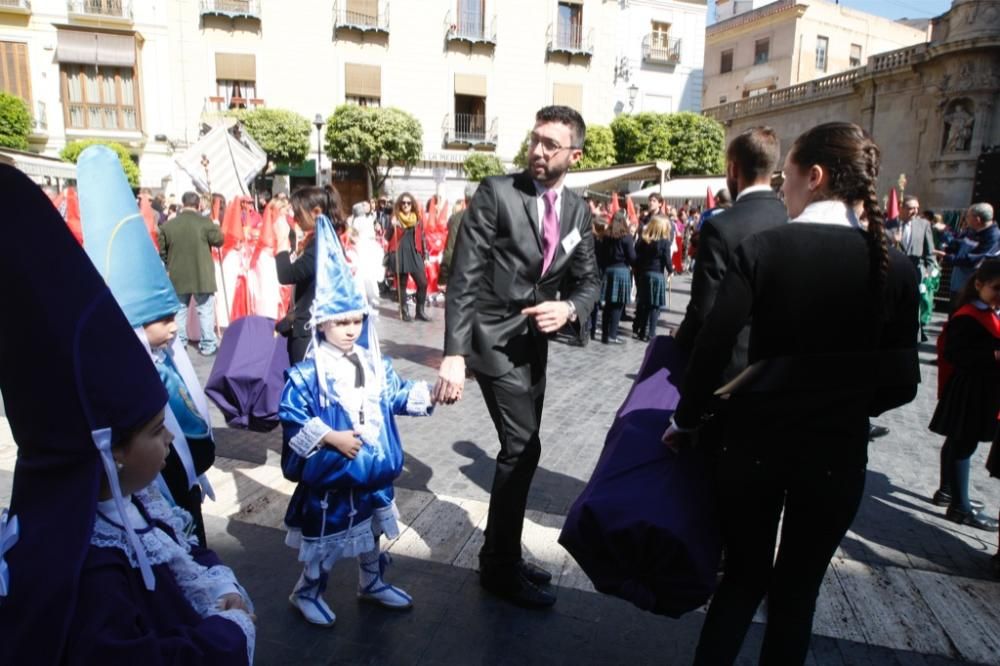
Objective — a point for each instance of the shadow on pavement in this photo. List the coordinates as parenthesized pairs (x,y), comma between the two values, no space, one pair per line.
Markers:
(890,521)
(550,491)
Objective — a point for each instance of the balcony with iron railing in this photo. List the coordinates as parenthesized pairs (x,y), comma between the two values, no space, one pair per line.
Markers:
(659,49)
(115,10)
(249,9)
(471,27)
(572,40)
(370,16)
(219,105)
(15,6)
(470,130)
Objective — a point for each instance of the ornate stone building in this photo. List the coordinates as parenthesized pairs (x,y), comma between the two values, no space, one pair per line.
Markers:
(933,108)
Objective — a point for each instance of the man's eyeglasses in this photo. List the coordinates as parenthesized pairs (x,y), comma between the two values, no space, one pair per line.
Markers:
(549,147)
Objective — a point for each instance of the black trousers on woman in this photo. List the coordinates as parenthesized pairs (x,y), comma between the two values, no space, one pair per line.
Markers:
(819,506)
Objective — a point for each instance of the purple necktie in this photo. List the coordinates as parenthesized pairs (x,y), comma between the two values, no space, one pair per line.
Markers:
(550,230)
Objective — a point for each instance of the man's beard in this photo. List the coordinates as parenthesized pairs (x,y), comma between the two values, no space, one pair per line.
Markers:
(551,172)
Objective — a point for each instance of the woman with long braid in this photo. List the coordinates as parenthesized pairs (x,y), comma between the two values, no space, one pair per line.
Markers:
(795,426)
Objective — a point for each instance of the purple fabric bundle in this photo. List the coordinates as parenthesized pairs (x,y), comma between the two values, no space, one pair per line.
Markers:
(249,374)
(644,529)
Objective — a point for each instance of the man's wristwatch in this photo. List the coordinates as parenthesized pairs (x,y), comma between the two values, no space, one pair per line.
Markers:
(572,310)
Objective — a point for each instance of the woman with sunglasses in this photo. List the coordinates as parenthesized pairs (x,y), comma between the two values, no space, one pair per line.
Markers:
(406,242)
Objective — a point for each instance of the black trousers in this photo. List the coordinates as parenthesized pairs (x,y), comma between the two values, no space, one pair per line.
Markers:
(515,405)
(819,506)
(297,347)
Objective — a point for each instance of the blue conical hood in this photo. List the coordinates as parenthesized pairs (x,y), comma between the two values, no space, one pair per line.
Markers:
(337,292)
(116,238)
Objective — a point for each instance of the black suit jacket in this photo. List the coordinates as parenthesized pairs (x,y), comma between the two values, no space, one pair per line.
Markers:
(718,239)
(793,279)
(496,271)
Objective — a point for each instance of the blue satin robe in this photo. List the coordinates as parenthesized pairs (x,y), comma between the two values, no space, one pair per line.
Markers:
(362,485)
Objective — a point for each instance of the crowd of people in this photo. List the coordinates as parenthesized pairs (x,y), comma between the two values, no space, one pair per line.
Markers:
(105,532)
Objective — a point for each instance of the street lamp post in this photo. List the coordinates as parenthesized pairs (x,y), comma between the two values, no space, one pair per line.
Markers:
(633,92)
(318,122)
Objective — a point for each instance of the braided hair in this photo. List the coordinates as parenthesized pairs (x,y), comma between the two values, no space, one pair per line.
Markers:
(851,159)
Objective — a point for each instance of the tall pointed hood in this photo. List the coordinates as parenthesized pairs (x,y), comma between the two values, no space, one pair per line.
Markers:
(116,238)
(72,381)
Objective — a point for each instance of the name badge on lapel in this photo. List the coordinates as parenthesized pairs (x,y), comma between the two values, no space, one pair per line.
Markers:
(571,240)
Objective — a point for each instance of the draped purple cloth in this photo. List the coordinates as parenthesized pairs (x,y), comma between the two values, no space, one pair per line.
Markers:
(644,528)
(248,374)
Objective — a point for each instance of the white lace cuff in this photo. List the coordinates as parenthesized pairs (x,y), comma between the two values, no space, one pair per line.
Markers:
(308,440)
(418,402)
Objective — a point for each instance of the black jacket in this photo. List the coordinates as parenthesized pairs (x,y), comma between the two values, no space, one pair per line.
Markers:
(497,271)
(717,242)
(815,318)
(302,274)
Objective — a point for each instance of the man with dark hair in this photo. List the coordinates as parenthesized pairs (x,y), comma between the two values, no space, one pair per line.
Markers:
(523,266)
(750,160)
(185,247)
(654,206)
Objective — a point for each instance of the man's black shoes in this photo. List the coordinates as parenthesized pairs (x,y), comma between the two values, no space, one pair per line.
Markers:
(534,573)
(513,585)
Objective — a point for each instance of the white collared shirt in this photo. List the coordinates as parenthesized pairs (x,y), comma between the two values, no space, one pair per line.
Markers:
(540,202)
(830,211)
(753,188)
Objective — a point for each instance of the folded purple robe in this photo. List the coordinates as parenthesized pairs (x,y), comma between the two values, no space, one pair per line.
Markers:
(248,374)
(644,527)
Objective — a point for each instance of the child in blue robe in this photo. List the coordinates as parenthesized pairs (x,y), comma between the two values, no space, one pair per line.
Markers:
(116,239)
(341,444)
(94,566)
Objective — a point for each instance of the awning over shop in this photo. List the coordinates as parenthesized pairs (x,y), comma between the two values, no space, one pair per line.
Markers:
(95,48)
(306,169)
(612,178)
(678,190)
(38,167)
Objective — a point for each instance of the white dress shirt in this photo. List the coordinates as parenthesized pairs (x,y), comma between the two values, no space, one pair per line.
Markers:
(753,188)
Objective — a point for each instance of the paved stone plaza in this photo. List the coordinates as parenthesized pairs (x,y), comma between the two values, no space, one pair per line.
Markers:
(907,586)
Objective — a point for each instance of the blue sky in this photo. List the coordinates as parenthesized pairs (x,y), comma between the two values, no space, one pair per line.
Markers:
(892,9)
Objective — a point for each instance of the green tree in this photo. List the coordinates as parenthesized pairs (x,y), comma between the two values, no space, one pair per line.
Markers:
(374,137)
(598,148)
(695,144)
(71,153)
(480,165)
(15,122)
(282,134)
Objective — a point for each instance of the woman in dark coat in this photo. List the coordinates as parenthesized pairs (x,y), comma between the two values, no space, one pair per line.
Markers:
(409,253)
(308,203)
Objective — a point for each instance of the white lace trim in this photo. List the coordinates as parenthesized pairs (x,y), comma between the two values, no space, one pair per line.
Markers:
(360,538)
(418,402)
(308,440)
(199,584)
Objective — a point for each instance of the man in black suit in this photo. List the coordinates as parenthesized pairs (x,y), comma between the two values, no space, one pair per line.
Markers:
(524,238)
(750,160)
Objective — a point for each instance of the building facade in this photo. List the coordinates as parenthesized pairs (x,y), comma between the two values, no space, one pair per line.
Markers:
(760,48)
(934,108)
(154,74)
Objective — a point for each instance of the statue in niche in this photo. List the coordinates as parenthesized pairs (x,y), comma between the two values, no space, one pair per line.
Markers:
(958,125)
